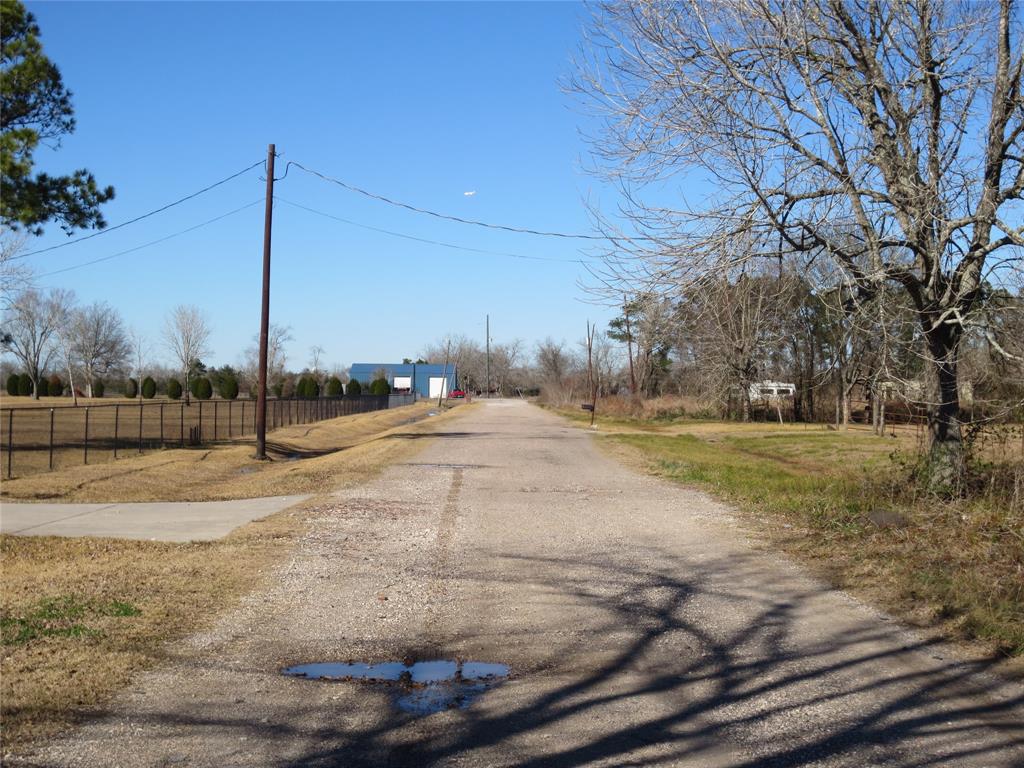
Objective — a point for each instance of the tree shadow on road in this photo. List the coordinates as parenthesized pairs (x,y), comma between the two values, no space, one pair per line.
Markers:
(716,668)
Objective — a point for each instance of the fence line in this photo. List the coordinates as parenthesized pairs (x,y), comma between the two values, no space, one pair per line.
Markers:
(44,439)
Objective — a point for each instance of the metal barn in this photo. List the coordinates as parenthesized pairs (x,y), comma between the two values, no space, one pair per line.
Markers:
(425,379)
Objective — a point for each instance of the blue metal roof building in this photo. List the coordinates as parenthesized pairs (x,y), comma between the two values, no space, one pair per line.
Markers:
(426,379)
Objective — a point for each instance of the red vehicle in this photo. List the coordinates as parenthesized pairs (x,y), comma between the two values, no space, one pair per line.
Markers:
(455,393)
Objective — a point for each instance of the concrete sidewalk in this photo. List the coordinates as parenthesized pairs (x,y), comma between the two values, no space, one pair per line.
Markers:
(154,521)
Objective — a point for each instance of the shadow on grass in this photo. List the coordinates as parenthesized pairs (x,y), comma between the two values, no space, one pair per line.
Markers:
(690,661)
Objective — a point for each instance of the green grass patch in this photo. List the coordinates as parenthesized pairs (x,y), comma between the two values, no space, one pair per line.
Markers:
(61,616)
(846,501)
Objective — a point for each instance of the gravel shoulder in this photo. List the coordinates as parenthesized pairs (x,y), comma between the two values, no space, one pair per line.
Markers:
(640,625)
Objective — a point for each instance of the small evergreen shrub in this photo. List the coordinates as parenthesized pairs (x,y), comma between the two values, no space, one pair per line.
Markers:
(174,389)
(203,389)
(12,385)
(277,389)
(44,387)
(131,388)
(24,385)
(380,387)
(148,388)
(56,386)
(307,388)
(228,388)
(354,388)
(334,386)
(98,388)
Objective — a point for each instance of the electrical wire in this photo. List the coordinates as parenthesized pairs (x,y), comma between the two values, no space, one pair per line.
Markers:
(407,206)
(153,242)
(105,230)
(425,240)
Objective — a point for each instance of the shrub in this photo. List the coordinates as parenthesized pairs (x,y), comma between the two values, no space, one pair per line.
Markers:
(334,386)
(228,388)
(307,388)
(24,385)
(56,386)
(98,388)
(12,385)
(44,387)
(148,388)
(131,388)
(203,389)
(354,388)
(174,389)
(380,387)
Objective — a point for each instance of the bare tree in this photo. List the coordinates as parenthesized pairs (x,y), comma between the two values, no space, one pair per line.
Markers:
(315,353)
(15,275)
(30,326)
(886,137)
(97,342)
(141,351)
(555,369)
(187,334)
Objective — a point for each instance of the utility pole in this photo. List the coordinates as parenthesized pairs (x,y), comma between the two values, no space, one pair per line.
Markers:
(488,356)
(444,377)
(261,386)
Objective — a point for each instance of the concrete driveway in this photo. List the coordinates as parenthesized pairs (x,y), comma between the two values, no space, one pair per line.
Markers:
(154,521)
(640,626)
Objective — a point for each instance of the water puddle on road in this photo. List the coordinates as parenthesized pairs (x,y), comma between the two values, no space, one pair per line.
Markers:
(422,688)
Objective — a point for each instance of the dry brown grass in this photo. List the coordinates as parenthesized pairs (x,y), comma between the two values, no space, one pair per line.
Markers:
(303,459)
(80,617)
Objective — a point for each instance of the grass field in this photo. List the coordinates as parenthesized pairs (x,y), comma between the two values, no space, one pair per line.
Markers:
(844,502)
(80,617)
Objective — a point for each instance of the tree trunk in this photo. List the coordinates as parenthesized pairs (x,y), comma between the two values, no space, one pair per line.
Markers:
(947,461)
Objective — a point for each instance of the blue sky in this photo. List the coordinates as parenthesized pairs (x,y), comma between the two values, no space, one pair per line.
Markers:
(421,102)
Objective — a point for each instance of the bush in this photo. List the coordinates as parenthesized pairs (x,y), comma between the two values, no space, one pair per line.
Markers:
(12,385)
(148,388)
(98,388)
(56,386)
(174,389)
(24,385)
(131,388)
(354,388)
(203,390)
(228,388)
(307,388)
(334,387)
(277,389)
(44,387)
(380,387)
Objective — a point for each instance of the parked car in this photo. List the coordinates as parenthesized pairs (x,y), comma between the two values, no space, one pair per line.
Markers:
(457,393)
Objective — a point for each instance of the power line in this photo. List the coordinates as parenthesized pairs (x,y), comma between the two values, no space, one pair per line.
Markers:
(153,242)
(143,216)
(407,206)
(425,240)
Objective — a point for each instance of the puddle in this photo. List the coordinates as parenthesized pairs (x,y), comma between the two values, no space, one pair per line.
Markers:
(421,688)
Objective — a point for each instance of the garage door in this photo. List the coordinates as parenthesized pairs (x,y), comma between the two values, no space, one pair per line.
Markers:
(436,385)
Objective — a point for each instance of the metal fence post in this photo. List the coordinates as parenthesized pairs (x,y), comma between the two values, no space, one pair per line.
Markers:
(117,410)
(51,439)
(10,441)
(85,456)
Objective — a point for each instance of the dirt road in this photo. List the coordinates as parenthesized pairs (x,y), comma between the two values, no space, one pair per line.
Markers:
(639,625)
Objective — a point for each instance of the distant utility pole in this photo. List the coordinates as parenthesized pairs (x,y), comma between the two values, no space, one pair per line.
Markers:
(261,385)
(488,356)
(444,376)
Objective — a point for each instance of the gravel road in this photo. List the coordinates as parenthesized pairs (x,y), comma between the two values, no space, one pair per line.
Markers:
(640,625)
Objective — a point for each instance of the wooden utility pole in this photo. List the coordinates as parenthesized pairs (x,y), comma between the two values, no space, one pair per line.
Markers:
(444,376)
(590,372)
(488,356)
(261,386)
